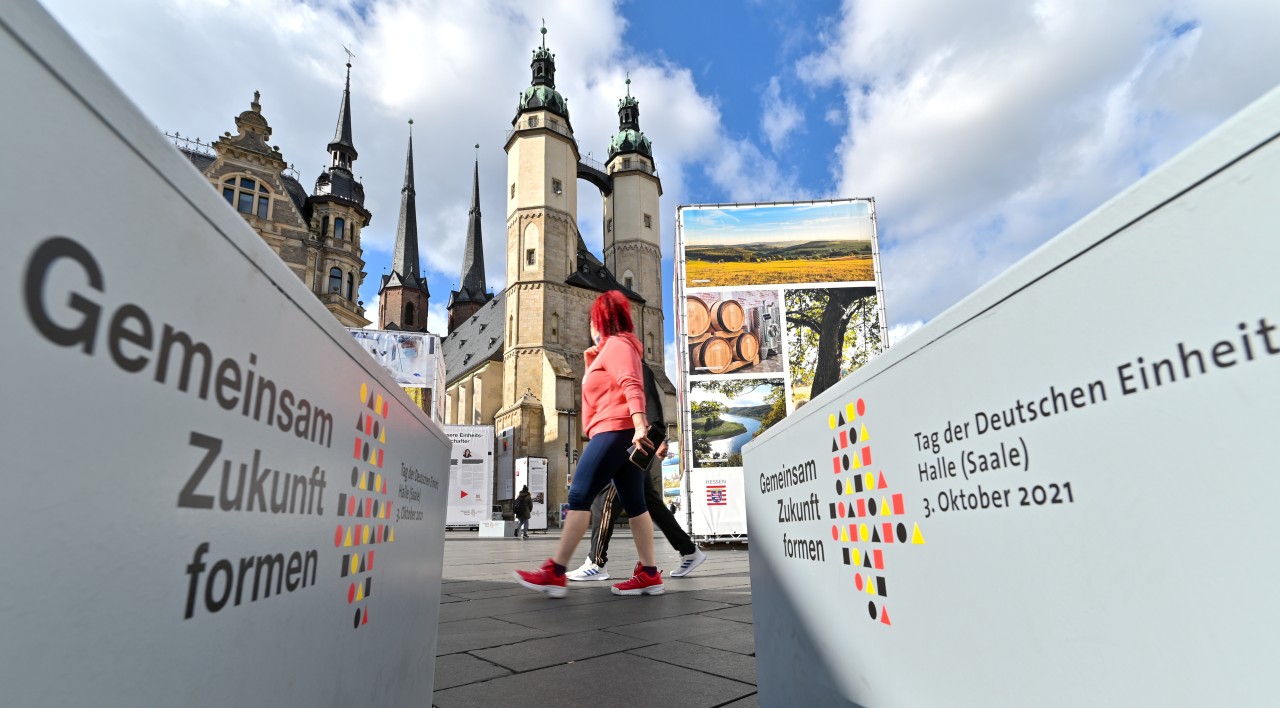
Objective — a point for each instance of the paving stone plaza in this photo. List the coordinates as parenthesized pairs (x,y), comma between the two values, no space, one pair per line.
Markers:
(501,644)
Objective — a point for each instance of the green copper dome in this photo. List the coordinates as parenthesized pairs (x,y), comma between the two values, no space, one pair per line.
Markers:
(628,140)
(544,96)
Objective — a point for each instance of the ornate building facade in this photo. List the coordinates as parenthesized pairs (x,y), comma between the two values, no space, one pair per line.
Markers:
(318,234)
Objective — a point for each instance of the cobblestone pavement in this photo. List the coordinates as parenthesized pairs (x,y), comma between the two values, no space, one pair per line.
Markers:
(502,645)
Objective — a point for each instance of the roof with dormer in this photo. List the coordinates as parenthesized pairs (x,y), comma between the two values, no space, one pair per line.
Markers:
(480,338)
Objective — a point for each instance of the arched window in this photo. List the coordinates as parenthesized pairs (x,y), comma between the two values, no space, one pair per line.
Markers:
(339,228)
(531,245)
(248,196)
(408,314)
(628,279)
(351,282)
(335,281)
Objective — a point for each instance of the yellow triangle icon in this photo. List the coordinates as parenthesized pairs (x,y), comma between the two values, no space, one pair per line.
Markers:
(363,475)
(871,587)
(359,592)
(864,436)
(348,541)
(884,508)
(393,535)
(377,483)
(844,535)
(857,463)
(857,557)
(916,537)
(383,437)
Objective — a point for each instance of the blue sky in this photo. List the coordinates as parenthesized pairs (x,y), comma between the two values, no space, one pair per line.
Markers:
(981,128)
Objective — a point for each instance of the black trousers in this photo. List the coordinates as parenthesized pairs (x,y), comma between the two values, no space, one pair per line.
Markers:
(606,509)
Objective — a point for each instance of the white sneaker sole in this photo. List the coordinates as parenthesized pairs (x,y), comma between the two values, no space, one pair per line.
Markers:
(651,590)
(585,578)
(552,590)
(683,572)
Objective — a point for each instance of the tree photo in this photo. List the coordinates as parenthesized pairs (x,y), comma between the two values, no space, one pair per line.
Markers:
(831,332)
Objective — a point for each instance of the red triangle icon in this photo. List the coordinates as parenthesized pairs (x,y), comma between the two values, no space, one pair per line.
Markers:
(884,616)
(464,494)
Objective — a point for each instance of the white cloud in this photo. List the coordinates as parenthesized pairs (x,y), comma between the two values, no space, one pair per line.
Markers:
(985,128)
(898,331)
(778,118)
(371,313)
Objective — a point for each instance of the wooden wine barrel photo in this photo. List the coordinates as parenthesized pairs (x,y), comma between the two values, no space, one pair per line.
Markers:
(727,316)
(715,355)
(697,315)
(746,347)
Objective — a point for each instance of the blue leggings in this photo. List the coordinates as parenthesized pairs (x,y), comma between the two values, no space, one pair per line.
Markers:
(605,460)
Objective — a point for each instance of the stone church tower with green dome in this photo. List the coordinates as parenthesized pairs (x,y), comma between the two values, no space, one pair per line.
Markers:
(517,361)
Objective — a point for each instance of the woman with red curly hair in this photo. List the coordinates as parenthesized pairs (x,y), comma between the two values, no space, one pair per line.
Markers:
(613,406)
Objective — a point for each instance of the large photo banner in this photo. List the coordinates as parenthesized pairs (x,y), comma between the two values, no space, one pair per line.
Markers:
(1061,491)
(775,304)
(471,470)
(215,497)
(533,472)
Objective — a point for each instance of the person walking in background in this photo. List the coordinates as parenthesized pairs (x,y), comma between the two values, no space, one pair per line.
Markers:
(606,510)
(522,507)
(613,415)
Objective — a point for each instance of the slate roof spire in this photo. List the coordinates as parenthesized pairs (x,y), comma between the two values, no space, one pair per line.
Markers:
(473,257)
(405,269)
(342,148)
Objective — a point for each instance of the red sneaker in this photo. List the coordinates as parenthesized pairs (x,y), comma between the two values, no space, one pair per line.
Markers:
(543,579)
(640,584)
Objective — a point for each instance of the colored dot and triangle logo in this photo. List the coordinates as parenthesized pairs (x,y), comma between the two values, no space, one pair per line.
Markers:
(917,538)
(884,507)
(863,437)
(844,535)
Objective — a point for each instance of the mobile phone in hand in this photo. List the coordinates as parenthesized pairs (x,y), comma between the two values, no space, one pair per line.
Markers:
(641,457)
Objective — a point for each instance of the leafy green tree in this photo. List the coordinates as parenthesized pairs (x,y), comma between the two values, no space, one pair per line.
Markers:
(833,332)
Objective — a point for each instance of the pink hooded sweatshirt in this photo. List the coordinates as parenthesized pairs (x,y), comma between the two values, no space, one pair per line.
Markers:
(613,385)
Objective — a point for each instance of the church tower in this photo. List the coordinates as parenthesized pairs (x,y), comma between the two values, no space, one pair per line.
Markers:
(472,294)
(546,330)
(632,233)
(337,218)
(403,295)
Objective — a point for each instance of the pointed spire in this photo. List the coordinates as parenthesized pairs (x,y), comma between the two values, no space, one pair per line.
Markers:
(342,148)
(473,256)
(404,260)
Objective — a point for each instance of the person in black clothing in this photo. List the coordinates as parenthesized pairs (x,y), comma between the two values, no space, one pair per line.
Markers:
(522,507)
(605,510)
